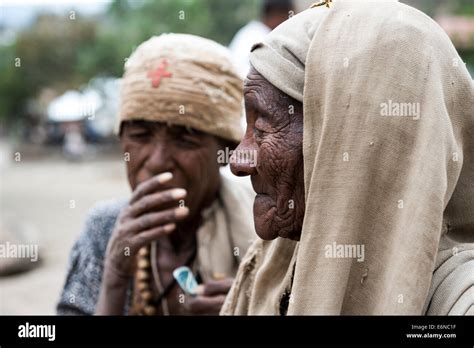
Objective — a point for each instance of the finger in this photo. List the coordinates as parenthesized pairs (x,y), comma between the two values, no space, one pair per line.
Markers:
(215,287)
(150,185)
(151,220)
(205,304)
(155,200)
(148,236)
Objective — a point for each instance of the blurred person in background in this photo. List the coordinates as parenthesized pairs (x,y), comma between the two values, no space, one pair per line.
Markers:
(180,105)
(273,13)
(74,145)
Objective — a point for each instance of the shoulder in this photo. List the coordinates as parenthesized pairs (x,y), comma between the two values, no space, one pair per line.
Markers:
(84,274)
(103,214)
(99,223)
(104,211)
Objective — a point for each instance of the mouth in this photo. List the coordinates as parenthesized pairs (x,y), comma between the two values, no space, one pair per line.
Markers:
(257,185)
(264,205)
(264,211)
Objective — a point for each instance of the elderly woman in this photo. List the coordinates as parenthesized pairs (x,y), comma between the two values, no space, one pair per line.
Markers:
(181,105)
(362,116)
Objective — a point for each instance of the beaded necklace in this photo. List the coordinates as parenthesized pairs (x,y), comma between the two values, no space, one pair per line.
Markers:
(147,272)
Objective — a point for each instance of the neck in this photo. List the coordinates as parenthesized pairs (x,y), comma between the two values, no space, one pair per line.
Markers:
(183,239)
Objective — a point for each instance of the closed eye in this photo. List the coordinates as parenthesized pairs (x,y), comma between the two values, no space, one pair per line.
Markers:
(139,135)
(187,141)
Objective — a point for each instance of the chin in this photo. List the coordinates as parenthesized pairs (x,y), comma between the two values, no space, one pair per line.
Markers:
(265,233)
(290,235)
(264,214)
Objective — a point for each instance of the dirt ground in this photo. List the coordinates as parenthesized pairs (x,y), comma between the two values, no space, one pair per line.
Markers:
(49,199)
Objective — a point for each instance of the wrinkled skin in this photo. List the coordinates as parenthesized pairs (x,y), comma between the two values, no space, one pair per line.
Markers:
(191,156)
(277,137)
(154,213)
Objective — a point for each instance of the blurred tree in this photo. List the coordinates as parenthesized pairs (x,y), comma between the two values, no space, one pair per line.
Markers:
(436,7)
(131,22)
(64,53)
(43,55)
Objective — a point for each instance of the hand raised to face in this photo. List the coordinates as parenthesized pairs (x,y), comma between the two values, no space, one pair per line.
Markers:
(190,155)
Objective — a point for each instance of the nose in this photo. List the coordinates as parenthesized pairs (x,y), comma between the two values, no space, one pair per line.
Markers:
(244,159)
(160,159)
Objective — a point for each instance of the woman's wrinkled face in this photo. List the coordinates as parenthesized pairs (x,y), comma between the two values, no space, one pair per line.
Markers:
(275,135)
(191,156)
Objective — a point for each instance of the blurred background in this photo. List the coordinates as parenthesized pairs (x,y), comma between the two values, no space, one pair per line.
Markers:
(60,64)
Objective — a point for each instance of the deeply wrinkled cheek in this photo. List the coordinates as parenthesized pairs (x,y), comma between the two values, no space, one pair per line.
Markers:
(270,160)
(134,159)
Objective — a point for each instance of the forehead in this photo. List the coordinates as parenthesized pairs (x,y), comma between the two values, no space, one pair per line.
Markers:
(157,126)
(258,91)
(255,80)
(260,94)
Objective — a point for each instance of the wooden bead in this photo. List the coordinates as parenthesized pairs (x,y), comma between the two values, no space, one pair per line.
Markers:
(142,286)
(146,295)
(144,251)
(149,310)
(143,275)
(143,263)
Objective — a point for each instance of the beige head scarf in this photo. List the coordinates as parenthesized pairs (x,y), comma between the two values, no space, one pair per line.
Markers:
(183,80)
(399,186)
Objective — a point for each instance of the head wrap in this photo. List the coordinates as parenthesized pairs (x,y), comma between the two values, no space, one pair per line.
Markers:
(281,59)
(183,80)
(398,184)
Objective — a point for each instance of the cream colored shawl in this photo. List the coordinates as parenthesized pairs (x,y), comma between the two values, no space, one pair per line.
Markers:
(227,231)
(396,181)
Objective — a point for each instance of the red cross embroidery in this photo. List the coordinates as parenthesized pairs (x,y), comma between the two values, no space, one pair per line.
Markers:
(160,72)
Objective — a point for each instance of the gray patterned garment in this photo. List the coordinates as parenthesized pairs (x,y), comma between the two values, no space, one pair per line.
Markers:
(84,275)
